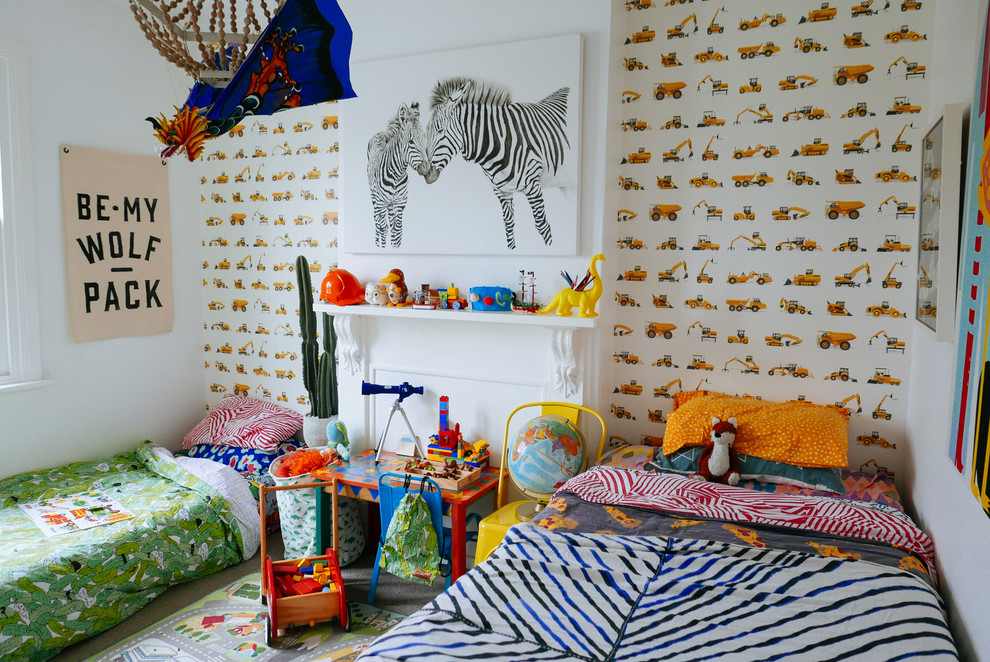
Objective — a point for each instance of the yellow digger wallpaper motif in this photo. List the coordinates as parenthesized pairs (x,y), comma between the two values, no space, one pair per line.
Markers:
(808,130)
(255,171)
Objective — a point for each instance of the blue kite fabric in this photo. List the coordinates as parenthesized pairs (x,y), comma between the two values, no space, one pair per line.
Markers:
(301,59)
(574,585)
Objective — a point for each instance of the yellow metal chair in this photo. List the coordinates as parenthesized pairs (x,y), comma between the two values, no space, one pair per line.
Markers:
(492,529)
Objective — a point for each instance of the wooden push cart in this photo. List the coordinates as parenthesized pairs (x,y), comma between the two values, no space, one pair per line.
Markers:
(287,610)
(307,609)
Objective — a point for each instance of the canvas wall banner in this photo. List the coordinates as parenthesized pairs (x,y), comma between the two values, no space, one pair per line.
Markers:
(118,246)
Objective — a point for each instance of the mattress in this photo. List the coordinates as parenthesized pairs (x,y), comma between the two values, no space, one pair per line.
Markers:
(186,521)
(631,565)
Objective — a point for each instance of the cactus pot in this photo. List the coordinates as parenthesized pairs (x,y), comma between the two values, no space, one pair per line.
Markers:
(315,430)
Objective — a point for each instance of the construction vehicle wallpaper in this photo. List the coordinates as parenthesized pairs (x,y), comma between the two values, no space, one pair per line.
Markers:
(268,194)
(770,189)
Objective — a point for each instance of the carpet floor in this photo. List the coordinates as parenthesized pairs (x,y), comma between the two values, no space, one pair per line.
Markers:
(393,594)
(231,624)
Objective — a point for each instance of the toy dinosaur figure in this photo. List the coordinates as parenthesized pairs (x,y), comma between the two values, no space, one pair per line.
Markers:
(337,440)
(585,300)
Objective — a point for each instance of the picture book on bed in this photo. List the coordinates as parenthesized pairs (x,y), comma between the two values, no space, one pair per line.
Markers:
(74,512)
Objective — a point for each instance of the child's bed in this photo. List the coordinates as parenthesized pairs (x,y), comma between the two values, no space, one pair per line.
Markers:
(633,564)
(55,591)
(193,513)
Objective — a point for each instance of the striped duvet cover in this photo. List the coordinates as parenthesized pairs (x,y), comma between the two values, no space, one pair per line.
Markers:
(626,565)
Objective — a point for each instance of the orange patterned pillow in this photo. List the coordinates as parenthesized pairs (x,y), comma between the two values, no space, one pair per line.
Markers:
(800,433)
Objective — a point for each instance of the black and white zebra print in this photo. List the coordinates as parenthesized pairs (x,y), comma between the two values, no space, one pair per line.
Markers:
(546,595)
(516,144)
(390,154)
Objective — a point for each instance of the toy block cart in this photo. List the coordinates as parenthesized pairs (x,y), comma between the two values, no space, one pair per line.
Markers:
(285,585)
(301,591)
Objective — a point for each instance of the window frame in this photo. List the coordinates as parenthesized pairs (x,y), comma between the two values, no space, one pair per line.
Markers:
(18,260)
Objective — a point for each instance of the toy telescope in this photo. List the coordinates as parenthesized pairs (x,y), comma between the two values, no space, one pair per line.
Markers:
(403,390)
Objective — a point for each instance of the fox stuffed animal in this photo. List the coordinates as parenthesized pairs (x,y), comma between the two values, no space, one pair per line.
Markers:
(719,462)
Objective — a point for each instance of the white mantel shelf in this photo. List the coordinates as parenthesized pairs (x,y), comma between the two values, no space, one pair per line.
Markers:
(488,317)
(564,365)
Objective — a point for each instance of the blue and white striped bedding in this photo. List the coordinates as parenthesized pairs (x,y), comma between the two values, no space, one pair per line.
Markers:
(570,595)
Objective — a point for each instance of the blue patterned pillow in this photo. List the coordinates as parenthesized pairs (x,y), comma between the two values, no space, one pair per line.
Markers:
(685,460)
(249,462)
(823,479)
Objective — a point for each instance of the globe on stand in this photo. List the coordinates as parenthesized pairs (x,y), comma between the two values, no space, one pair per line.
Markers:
(546,452)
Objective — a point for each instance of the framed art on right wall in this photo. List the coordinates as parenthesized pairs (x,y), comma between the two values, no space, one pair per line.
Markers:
(938,229)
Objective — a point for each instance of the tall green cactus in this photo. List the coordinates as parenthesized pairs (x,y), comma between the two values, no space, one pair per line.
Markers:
(330,350)
(319,374)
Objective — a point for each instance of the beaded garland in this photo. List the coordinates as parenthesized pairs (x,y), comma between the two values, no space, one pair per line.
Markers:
(173,28)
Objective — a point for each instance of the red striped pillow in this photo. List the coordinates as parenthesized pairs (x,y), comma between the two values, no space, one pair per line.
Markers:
(245,422)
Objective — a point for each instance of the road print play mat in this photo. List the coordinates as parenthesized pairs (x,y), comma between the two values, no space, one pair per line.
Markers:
(229,624)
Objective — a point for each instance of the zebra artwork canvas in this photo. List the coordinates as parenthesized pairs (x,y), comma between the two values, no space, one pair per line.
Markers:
(390,155)
(516,144)
(488,163)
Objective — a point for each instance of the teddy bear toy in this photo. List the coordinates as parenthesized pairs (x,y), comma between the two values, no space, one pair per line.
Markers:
(719,462)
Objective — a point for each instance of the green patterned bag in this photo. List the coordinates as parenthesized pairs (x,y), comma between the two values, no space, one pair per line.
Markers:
(411,550)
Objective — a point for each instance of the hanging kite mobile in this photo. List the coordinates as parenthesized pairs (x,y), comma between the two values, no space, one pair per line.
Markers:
(299,59)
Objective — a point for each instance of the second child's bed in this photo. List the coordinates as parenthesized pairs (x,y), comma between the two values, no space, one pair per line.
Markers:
(629,564)
(169,518)
(188,518)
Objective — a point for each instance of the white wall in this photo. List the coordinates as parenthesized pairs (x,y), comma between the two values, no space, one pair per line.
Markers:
(106,396)
(93,80)
(943,502)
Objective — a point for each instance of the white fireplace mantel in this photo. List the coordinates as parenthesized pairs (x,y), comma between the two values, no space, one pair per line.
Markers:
(566,373)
